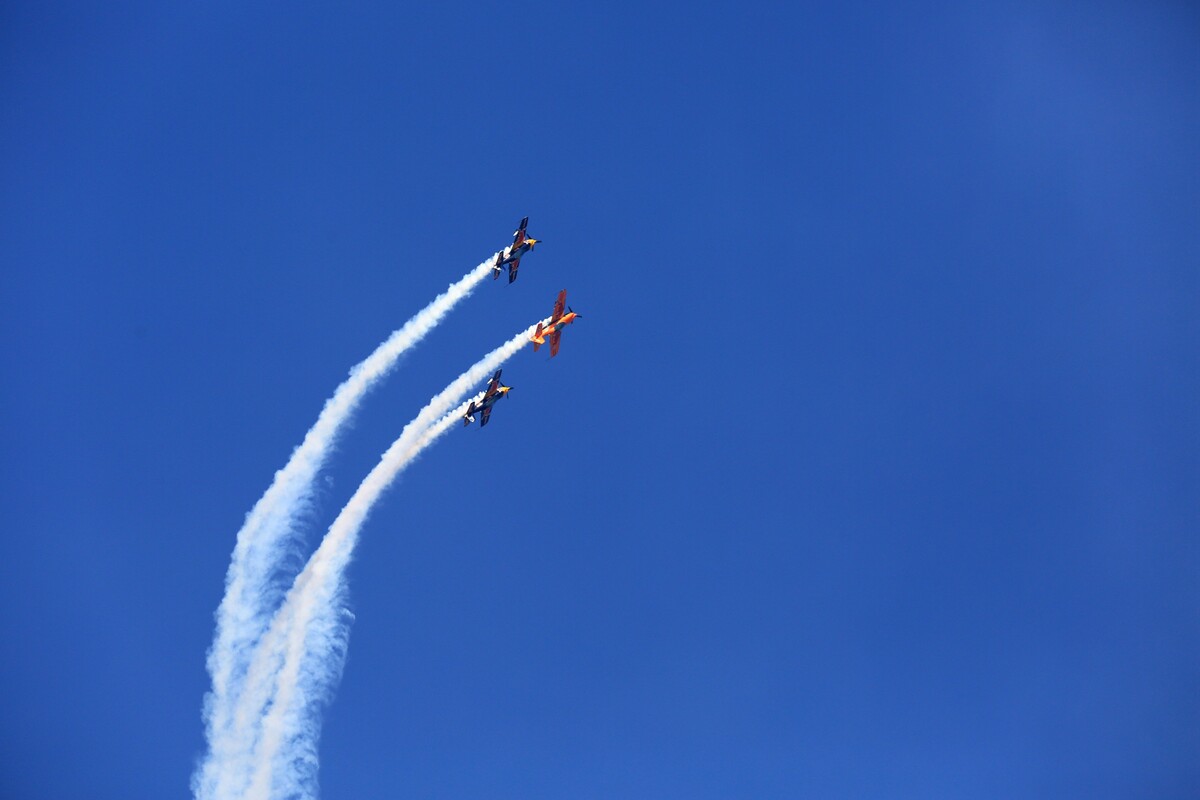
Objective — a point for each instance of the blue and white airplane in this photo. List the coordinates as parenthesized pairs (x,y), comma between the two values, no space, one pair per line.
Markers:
(510,257)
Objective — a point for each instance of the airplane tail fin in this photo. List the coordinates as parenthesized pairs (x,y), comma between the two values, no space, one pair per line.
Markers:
(537,338)
(496,267)
(470,417)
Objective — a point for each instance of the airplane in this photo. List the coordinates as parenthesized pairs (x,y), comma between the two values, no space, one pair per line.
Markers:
(557,320)
(510,257)
(494,392)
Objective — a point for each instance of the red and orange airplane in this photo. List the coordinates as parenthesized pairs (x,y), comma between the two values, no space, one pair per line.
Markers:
(557,320)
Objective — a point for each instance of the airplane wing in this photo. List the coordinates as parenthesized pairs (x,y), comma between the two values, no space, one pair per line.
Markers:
(554,337)
(493,385)
(559,305)
(484,415)
(512,269)
(519,233)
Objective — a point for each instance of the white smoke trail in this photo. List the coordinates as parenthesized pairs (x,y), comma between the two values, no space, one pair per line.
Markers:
(269,536)
(301,656)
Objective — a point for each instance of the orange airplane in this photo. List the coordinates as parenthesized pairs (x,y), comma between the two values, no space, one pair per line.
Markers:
(557,320)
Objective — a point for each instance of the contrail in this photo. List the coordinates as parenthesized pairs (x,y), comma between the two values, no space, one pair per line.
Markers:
(302,654)
(268,539)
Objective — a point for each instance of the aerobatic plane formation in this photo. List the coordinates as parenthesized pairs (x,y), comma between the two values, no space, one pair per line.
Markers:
(563,315)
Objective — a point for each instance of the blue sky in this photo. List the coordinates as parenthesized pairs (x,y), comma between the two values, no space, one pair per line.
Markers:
(871,469)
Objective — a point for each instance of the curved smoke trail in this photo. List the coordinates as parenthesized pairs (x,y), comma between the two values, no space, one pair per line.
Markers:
(301,656)
(253,584)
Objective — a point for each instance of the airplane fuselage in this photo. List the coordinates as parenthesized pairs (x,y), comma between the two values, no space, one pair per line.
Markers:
(565,319)
(488,402)
(484,404)
(510,253)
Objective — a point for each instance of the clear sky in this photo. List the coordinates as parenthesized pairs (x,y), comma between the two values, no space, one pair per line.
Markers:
(872,469)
